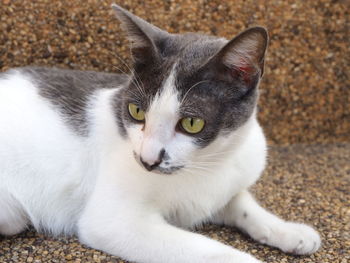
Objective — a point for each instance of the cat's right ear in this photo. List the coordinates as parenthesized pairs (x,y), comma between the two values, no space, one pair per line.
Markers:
(243,56)
(145,38)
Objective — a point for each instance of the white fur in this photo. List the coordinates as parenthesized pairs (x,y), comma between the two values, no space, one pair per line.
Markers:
(63,183)
(161,119)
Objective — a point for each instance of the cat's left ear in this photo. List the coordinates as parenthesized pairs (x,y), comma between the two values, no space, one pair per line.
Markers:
(145,38)
(244,55)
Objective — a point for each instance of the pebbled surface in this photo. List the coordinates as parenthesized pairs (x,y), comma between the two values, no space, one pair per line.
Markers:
(305,99)
(303,183)
(306,88)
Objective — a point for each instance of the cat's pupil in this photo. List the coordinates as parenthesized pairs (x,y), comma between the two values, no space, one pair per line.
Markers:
(137,110)
(191,121)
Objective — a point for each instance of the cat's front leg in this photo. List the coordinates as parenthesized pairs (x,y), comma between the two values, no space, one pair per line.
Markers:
(245,213)
(136,234)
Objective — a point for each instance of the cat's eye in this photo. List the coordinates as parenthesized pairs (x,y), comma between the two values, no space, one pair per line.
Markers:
(192,125)
(136,112)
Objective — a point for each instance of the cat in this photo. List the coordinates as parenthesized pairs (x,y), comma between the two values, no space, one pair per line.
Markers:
(129,162)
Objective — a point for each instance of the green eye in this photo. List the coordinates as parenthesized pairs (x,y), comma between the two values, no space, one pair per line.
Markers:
(192,125)
(136,112)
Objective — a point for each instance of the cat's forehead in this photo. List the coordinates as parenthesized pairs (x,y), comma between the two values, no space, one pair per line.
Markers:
(182,56)
(194,50)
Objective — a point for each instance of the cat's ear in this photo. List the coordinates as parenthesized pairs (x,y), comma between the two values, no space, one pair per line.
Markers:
(244,54)
(144,37)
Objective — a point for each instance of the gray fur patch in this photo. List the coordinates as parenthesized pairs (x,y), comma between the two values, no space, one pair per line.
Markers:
(224,103)
(71,90)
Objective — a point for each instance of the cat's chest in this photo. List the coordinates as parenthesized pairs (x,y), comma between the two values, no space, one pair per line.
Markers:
(188,201)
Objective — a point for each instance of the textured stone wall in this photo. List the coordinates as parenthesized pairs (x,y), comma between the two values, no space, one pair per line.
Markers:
(305,94)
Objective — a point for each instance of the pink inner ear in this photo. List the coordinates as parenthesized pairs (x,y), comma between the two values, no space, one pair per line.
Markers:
(243,71)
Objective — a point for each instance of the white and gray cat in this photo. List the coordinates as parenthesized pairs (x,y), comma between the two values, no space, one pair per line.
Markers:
(128,162)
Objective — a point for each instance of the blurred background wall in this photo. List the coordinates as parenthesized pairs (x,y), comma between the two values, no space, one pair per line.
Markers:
(305,93)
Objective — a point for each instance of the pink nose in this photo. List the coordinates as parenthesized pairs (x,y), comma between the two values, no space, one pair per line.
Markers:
(155,164)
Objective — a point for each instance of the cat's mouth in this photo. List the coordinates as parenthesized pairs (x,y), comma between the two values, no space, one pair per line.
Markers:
(167,170)
(163,168)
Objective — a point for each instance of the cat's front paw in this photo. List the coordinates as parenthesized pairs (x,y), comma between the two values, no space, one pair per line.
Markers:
(296,238)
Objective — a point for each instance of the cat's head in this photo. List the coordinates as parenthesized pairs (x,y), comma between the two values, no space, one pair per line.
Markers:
(189,94)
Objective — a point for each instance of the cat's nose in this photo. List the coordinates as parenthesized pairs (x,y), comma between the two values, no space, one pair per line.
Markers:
(155,164)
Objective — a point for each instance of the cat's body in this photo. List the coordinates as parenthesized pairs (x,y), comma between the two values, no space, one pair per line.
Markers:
(74,161)
(57,151)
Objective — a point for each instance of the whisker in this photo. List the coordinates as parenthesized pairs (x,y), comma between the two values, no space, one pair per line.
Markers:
(201,168)
(204,162)
(122,71)
(138,81)
(216,153)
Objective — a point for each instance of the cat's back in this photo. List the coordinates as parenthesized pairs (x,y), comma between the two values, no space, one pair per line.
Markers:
(31,93)
(45,110)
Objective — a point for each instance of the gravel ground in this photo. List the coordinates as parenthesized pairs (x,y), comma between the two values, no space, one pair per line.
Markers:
(306,89)
(302,183)
(305,99)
